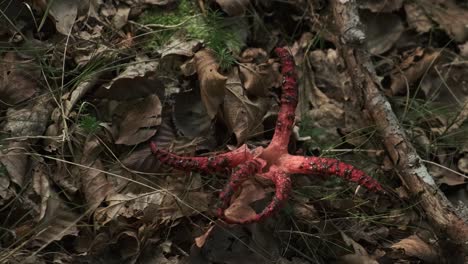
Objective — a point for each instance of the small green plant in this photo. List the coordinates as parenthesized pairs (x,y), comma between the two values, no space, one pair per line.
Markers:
(212,29)
(89,124)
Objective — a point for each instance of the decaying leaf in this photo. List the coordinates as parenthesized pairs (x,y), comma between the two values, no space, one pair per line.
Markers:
(243,115)
(18,79)
(29,121)
(140,121)
(416,247)
(212,83)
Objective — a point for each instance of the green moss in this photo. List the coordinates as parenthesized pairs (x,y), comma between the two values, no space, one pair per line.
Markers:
(188,20)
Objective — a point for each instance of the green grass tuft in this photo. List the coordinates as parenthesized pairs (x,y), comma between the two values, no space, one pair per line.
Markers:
(211,29)
(89,124)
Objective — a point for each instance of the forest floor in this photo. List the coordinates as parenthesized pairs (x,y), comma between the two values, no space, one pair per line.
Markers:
(86,85)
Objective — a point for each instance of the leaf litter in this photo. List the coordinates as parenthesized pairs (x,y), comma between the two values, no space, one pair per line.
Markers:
(78,181)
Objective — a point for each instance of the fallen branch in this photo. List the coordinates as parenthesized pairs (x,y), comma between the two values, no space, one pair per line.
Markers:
(409,166)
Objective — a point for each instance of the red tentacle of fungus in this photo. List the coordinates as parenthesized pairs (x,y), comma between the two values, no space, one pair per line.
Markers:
(273,163)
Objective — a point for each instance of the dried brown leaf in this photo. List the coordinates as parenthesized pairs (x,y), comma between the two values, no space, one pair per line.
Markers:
(259,78)
(58,221)
(190,116)
(180,46)
(17,79)
(463,164)
(29,121)
(382,30)
(140,121)
(129,205)
(417,18)
(415,247)
(242,115)
(414,65)
(123,87)
(64,13)
(128,244)
(15,160)
(451,16)
(120,18)
(240,208)
(381,6)
(41,186)
(357,259)
(234,244)
(95,184)
(212,83)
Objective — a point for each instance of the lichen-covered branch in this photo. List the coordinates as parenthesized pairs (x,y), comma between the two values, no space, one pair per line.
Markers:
(408,164)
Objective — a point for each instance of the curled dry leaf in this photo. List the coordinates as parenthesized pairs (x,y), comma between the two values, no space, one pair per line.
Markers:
(234,7)
(415,247)
(140,121)
(413,66)
(243,115)
(240,208)
(41,186)
(212,83)
(259,75)
(128,244)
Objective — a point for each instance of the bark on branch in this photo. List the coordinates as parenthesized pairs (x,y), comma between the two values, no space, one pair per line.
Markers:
(413,173)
